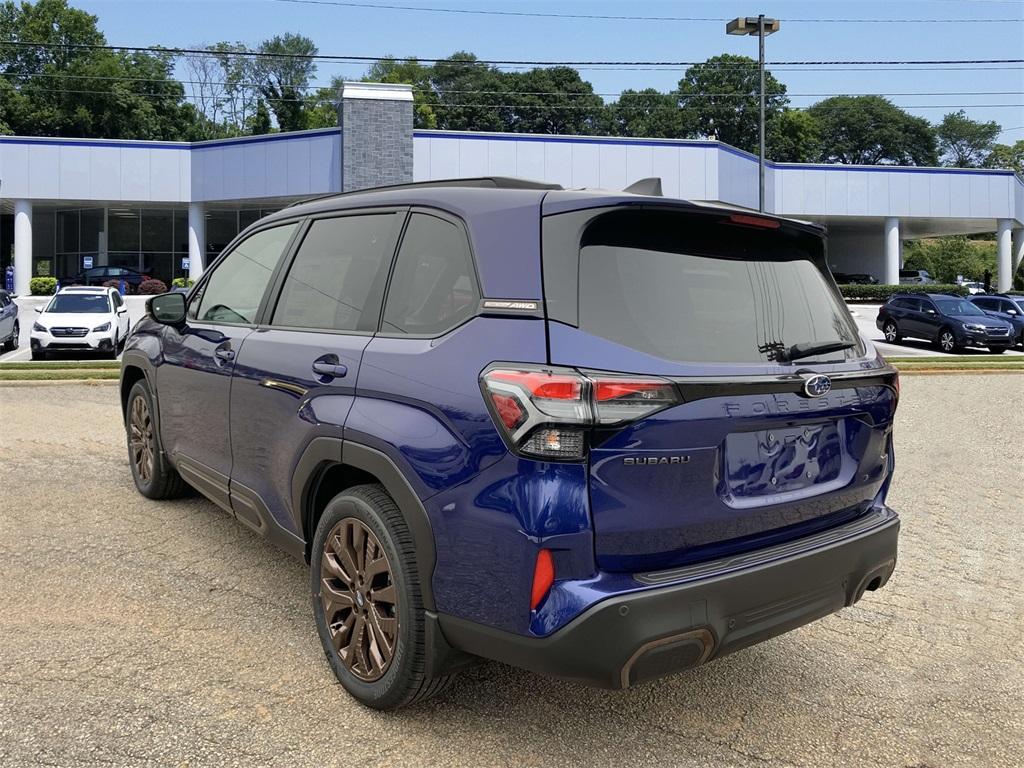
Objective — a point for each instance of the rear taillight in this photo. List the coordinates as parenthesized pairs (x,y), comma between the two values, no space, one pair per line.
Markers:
(547,412)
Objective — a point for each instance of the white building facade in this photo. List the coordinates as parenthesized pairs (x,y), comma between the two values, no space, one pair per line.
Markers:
(167,208)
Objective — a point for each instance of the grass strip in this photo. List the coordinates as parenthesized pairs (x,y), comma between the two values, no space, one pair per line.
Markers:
(72,374)
(59,366)
(948,359)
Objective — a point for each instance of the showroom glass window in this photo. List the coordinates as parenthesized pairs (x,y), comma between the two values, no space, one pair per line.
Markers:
(337,278)
(235,289)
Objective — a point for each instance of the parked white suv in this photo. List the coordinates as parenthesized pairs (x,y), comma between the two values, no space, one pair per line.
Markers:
(82,319)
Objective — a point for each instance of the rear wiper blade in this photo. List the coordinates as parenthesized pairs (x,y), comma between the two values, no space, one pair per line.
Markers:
(810,348)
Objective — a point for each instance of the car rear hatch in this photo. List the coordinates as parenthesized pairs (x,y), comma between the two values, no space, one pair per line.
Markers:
(773,420)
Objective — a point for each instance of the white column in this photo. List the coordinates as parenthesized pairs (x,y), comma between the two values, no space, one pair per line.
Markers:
(196,239)
(893,251)
(1016,250)
(22,246)
(1005,277)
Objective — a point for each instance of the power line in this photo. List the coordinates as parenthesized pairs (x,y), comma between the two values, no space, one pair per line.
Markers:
(573,94)
(609,17)
(546,63)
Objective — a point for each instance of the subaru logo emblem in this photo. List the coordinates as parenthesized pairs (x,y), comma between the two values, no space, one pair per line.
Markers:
(817,385)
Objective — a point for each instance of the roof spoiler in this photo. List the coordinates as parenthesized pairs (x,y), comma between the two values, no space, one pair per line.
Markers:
(650,186)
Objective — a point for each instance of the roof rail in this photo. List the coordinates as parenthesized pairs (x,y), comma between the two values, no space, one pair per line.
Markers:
(488,182)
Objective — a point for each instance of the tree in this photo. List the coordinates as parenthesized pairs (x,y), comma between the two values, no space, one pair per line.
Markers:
(1007,156)
(947,258)
(794,136)
(240,73)
(470,96)
(284,70)
(647,113)
(872,130)
(259,122)
(720,99)
(411,72)
(207,86)
(553,100)
(965,143)
(66,88)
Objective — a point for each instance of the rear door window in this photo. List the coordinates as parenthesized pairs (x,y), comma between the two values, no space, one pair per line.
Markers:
(336,281)
(698,288)
(434,286)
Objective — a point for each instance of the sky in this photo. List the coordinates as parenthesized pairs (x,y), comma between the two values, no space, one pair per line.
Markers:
(985,93)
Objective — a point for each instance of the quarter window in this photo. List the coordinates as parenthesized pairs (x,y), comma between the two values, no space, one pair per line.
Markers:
(337,279)
(233,293)
(433,288)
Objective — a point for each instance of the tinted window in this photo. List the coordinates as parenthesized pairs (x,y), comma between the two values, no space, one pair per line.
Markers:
(695,288)
(433,287)
(79,303)
(234,291)
(985,303)
(337,277)
(957,307)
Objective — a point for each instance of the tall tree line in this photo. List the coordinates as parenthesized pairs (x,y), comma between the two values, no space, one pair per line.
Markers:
(73,87)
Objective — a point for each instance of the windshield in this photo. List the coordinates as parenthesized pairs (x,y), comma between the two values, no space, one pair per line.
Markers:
(693,288)
(957,307)
(79,304)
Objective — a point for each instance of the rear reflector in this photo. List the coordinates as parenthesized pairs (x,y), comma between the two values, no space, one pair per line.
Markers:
(543,577)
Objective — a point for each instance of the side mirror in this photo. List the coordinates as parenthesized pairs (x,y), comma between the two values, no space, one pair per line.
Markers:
(930,311)
(1012,312)
(167,308)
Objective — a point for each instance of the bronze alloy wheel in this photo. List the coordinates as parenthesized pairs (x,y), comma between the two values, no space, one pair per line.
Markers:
(140,439)
(360,602)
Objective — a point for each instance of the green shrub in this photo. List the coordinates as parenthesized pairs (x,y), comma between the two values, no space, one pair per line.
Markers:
(946,258)
(182,282)
(152,287)
(882,293)
(42,286)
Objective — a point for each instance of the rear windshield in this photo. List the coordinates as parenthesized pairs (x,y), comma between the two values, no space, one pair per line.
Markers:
(697,288)
(79,303)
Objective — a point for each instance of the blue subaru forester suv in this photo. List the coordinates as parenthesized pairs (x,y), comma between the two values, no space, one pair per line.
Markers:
(602,436)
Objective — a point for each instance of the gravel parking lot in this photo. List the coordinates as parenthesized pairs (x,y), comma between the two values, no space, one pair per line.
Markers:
(141,633)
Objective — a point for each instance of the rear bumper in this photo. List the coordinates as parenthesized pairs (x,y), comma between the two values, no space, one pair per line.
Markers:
(707,611)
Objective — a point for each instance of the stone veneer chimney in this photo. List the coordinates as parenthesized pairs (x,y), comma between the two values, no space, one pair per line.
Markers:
(376,135)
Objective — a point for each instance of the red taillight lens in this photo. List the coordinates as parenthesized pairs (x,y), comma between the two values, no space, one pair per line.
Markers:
(543,577)
(548,386)
(511,413)
(546,412)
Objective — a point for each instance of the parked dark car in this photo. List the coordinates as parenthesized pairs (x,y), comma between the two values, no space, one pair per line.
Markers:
(100,275)
(854,278)
(950,322)
(602,436)
(10,330)
(1009,309)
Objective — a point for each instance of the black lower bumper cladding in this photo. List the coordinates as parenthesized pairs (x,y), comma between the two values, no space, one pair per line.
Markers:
(708,611)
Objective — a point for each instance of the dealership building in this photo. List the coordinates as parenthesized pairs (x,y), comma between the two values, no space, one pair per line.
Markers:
(167,208)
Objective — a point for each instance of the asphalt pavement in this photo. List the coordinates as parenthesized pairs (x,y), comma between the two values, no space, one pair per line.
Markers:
(135,632)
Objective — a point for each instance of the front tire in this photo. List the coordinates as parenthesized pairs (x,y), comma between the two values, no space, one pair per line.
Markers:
(112,354)
(367,601)
(997,350)
(891,332)
(38,354)
(154,476)
(947,341)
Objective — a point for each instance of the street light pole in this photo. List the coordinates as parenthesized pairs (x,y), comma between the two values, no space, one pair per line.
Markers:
(762,27)
(760,142)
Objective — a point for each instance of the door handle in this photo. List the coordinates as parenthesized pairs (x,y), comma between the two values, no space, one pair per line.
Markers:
(224,353)
(329,367)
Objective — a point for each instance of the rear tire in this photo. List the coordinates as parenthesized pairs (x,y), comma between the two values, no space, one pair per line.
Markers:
(891,332)
(12,343)
(367,601)
(154,476)
(997,350)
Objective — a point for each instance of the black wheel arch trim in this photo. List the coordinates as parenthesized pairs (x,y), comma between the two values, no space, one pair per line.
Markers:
(323,452)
